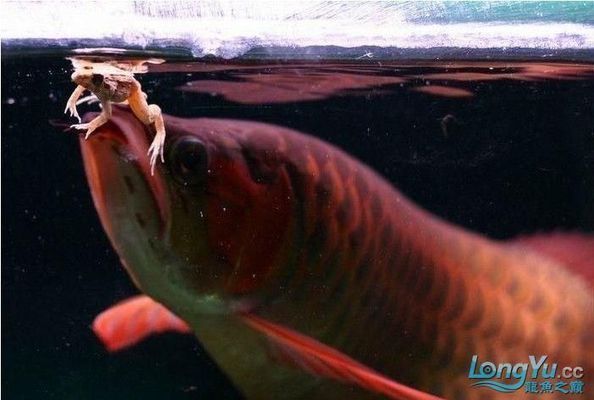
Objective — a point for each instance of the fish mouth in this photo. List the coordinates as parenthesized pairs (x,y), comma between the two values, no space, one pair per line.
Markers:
(134,207)
(133,204)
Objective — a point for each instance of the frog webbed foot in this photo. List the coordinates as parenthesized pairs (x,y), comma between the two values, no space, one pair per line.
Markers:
(97,122)
(88,126)
(155,151)
(71,107)
(72,101)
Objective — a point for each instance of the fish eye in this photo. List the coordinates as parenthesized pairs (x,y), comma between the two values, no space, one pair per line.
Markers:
(188,161)
(97,79)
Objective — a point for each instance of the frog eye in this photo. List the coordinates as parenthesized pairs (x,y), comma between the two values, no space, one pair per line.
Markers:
(97,79)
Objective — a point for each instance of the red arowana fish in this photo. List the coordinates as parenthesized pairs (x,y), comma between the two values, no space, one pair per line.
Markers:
(307,275)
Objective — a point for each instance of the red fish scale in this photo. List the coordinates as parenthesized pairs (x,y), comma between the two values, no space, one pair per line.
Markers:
(371,265)
(365,271)
(349,248)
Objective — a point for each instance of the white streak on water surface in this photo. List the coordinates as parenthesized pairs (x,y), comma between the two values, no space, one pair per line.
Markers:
(231,28)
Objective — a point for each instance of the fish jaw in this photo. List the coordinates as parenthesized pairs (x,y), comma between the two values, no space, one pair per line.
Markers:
(132,204)
(138,209)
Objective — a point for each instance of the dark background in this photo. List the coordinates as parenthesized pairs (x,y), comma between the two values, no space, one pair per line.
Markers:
(520,160)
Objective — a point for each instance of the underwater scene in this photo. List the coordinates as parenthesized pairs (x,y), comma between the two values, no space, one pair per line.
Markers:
(319,205)
(503,149)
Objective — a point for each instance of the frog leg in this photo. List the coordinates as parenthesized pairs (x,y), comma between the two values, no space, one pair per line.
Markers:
(150,114)
(71,103)
(127,103)
(98,121)
(88,99)
(155,150)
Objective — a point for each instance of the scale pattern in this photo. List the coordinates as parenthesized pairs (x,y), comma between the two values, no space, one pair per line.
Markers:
(414,297)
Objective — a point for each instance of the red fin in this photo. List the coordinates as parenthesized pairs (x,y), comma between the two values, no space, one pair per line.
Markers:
(573,250)
(318,359)
(132,320)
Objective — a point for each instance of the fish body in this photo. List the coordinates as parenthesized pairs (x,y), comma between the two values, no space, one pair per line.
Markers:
(254,219)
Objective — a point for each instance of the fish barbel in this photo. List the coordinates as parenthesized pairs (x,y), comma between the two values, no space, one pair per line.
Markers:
(288,258)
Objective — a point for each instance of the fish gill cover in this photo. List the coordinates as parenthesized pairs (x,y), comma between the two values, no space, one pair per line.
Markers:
(305,28)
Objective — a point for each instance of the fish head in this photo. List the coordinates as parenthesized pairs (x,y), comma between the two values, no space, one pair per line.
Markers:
(209,225)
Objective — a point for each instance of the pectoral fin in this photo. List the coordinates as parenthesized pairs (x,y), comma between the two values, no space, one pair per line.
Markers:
(318,359)
(132,320)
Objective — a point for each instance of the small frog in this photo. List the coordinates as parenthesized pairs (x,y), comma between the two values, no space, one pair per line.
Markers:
(117,87)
